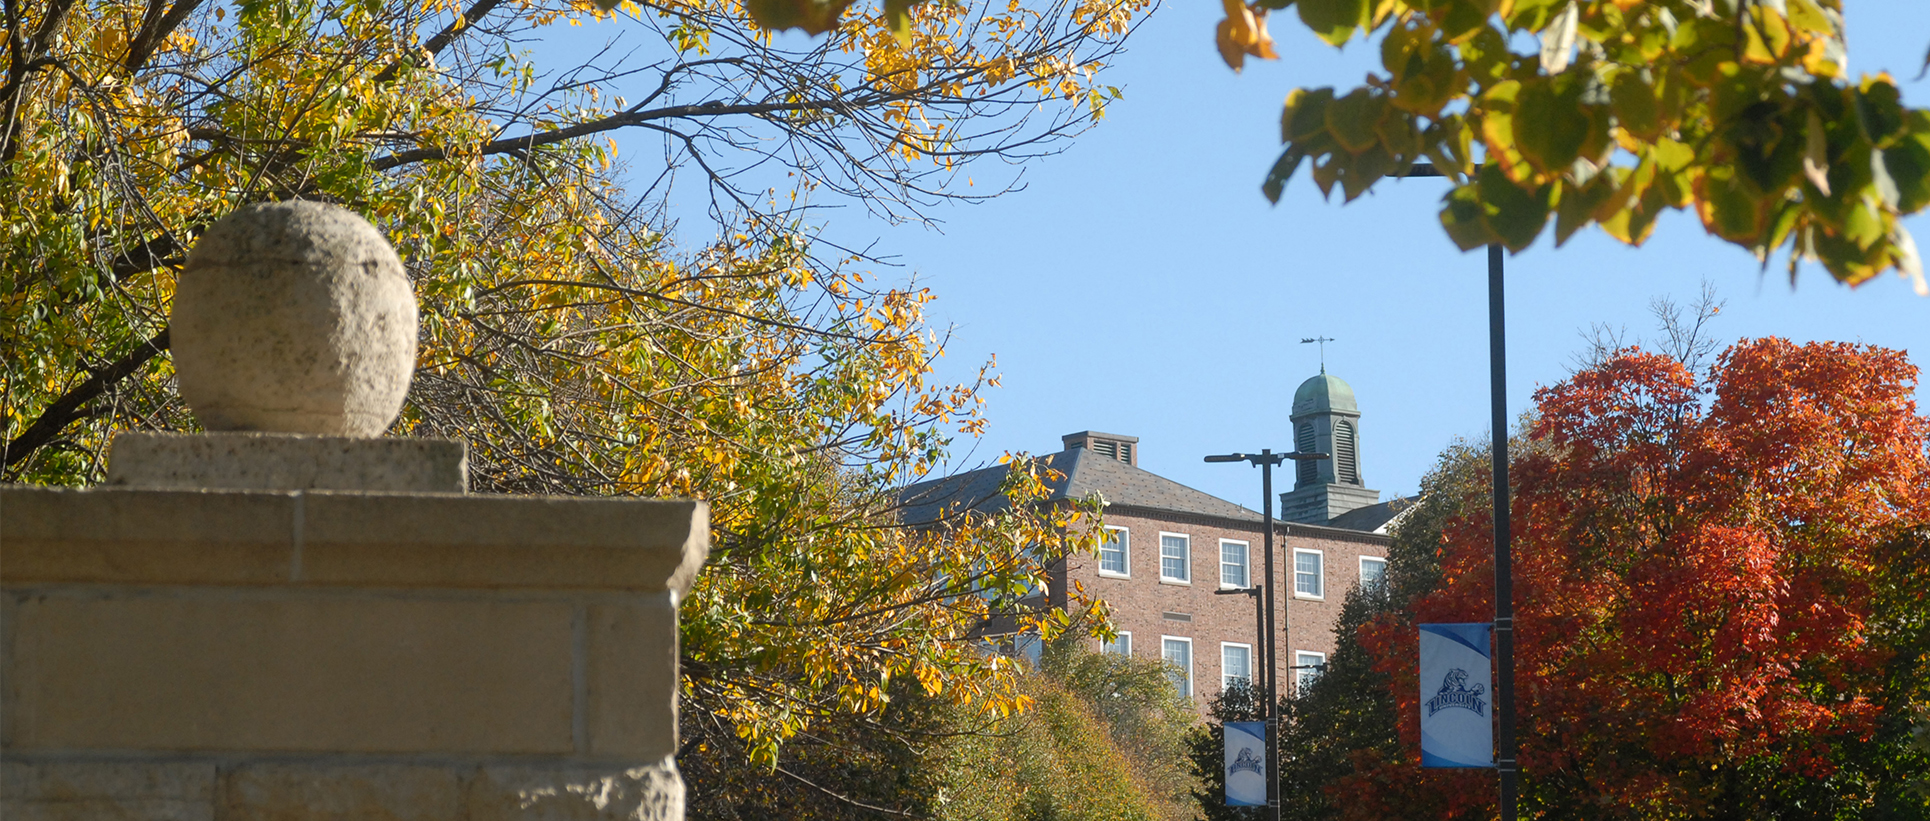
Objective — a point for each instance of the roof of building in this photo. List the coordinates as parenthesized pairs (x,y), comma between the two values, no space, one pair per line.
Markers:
(1081,473)
(1322,394)
(1372,518)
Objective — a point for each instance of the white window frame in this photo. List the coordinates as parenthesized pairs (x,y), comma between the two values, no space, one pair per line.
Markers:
(1320,578)
(1188,641)
(1362,579)
(1122,646)
(1226,679)
(1246,565)
(1303,677)
(1187,558)
(1125,554)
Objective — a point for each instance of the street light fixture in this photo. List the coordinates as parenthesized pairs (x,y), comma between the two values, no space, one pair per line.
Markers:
(1266,460)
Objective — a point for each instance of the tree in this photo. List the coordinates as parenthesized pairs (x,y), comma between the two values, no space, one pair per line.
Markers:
(1720,595)
(566,336)
(1104,743)
(1343,722)
(1740,110)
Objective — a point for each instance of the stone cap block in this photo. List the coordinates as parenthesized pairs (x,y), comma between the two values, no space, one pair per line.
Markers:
(286,461)
(111,535)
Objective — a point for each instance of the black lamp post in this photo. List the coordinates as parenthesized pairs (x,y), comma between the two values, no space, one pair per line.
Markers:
(1507,764)
(1266,460)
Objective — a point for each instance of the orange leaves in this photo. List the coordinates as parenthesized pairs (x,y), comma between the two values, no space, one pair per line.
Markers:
(1700,567)
(1242,34)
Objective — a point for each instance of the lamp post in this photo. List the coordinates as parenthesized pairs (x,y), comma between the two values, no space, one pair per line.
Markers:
(1266,460)
(1506,762)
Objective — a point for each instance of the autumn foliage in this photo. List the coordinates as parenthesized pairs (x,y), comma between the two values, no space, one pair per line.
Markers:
(1720,592)
(1610,113)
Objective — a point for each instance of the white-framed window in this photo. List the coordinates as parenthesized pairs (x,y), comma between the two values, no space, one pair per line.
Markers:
(1178,651)
(1115,553)
(1233,563)
(1309,574)
(1121,646)
(1176,558)
(1236,664)
(1027,646)
(1373,571)
(1308,666)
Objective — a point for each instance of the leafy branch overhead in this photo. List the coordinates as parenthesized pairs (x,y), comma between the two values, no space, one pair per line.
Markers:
(1741,110)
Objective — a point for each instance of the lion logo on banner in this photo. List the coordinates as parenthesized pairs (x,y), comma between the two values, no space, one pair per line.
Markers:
(1245,761)
(1454,692)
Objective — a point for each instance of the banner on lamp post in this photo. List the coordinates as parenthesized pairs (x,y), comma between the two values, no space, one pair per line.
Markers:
(1246,764)
(1457,696)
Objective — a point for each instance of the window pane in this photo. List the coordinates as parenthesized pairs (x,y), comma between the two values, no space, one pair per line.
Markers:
(1174,563)
(1179,653)
(1233,564)
(1309,668)
(1122,646)
(1372,572)
(1236,664)
(1306,573)
(1112,552)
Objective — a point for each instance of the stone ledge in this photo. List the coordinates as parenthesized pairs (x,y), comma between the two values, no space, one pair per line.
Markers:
(299,789)
(286,461)
(176,537)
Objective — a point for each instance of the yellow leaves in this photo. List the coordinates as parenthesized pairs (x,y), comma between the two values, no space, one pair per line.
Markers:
(1243,33)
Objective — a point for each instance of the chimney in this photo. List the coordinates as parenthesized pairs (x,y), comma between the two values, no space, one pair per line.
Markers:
(1109,445)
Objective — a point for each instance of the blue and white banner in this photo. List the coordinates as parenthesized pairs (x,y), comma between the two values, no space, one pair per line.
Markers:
(1457,696)
(1246,764)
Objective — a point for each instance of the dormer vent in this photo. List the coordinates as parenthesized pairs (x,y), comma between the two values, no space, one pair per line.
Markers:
(1109,445)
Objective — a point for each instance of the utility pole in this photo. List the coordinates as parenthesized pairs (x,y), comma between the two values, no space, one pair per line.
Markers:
(1266,460)
(1507,758)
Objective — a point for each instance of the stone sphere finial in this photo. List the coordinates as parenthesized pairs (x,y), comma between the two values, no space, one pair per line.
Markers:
(294,317)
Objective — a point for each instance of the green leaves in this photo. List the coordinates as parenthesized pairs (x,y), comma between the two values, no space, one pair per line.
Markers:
(1494,209)
(1353,119)
(813,16)
(1630,108)
(1334,20)
(1550,123)
(1422,69)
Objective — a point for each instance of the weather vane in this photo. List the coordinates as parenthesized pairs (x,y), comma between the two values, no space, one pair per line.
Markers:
(1322,341)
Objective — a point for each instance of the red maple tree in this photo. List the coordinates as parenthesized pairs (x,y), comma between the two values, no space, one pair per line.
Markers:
(1695,561)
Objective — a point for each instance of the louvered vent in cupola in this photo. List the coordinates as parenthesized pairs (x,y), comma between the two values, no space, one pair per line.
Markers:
(1305,471)
(1346,464)
(1109,445)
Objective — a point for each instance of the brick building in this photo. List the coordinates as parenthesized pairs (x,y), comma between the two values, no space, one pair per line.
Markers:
(1171,548)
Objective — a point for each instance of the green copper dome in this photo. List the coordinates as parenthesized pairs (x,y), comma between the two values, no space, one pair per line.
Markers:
(1324,394)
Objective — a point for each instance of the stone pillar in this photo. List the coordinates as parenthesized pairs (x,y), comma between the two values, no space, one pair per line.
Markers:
(312,623)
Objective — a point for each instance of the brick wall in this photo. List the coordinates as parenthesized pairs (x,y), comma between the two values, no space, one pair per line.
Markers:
(1148,606)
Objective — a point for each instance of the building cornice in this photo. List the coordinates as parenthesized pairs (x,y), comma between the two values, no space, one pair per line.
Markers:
(1284,528)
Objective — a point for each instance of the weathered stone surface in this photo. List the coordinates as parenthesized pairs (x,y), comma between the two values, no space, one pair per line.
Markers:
(89,536)
(310,792)
(577,793)
(283,461)
(294,317)
(342,539)
(70,780)
(499,541)
(632,684)
(151,791)
(313,673)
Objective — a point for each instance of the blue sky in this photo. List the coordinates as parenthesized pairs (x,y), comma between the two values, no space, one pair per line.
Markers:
(1141,285)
